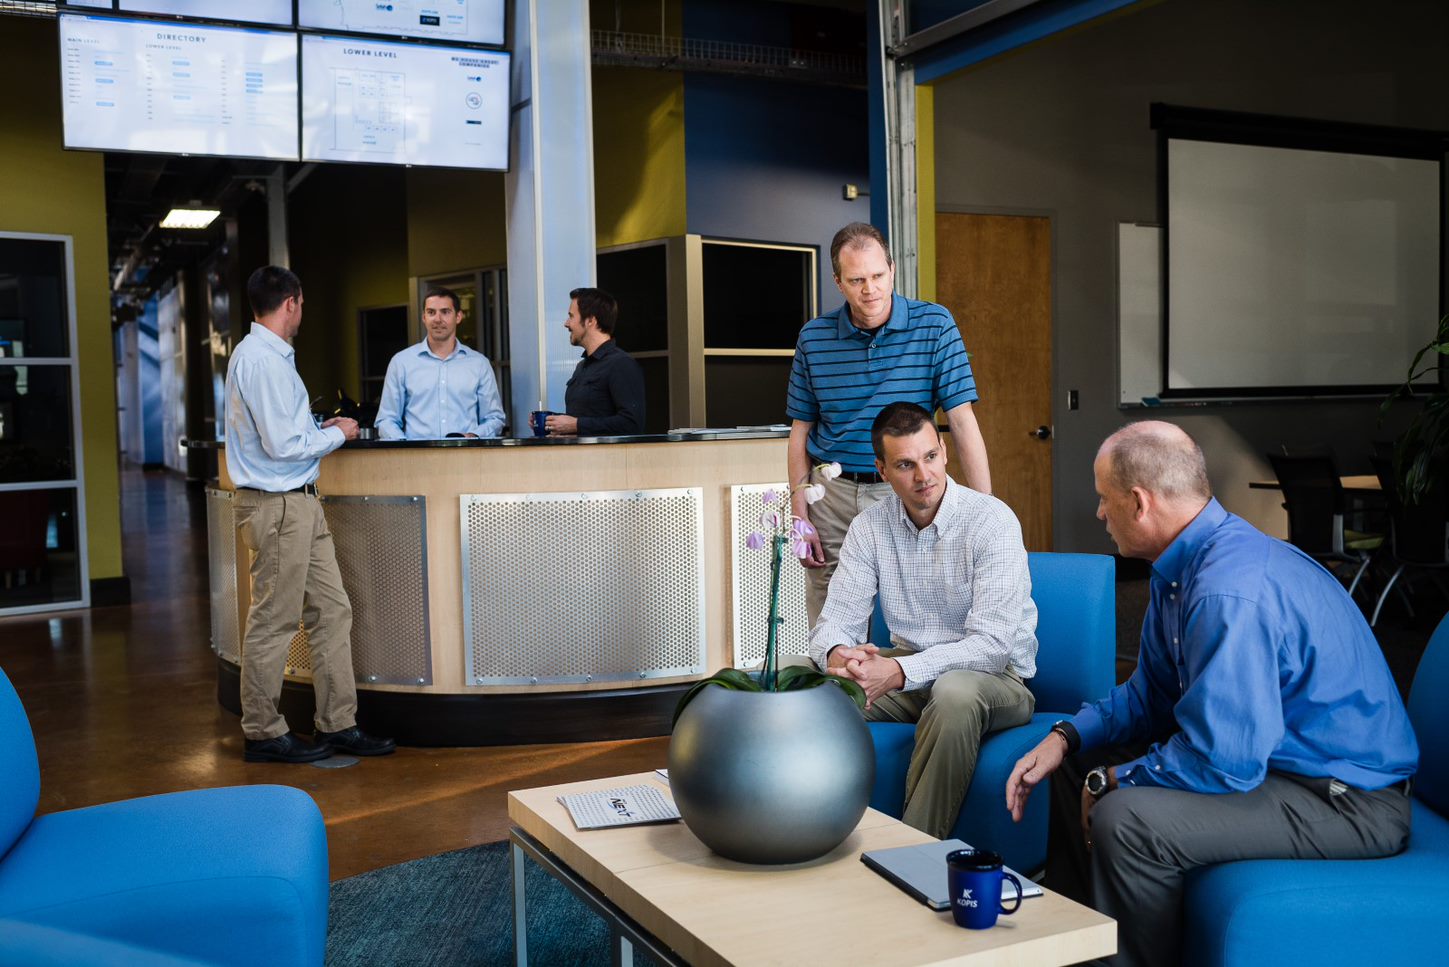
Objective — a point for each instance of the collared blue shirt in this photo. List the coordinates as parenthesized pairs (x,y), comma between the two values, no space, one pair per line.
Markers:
(843,376)
(1254,658)
(426,397)
(272,442)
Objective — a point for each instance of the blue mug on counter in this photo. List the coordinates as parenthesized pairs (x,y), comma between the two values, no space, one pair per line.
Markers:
(975,877)
(539,419)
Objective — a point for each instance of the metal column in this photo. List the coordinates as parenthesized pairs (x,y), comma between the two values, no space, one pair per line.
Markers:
(548,194)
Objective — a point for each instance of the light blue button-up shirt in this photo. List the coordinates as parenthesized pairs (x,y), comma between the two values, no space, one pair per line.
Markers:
(426,397)
(272,442)
(1254,658)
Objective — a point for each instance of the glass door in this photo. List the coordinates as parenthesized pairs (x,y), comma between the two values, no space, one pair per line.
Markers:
(42,505)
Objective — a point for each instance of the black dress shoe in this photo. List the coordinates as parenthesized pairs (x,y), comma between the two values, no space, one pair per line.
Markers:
(289,747)
(354,741)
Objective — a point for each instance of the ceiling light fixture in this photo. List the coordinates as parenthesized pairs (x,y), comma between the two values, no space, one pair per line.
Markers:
(194,218)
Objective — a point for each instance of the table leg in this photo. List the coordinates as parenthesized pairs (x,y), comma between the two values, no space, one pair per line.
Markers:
(623,951)
(520,906)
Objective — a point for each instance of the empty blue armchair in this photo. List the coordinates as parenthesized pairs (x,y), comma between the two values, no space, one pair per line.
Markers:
(221,876)
(1318,912)
(1076,601)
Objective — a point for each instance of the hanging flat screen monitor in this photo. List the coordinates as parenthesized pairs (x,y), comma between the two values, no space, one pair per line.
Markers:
(97,4)
(394,103)
(141,85)
(459,21)
(251,11)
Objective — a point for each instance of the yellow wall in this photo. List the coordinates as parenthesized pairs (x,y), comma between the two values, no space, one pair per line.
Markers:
(45,189)
(455,220)
(347,233)
(926,193)
(638,154)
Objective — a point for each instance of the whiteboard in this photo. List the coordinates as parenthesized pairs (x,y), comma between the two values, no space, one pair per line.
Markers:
(1139,313)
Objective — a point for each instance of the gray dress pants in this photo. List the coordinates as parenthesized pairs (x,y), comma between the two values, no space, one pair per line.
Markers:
(1145,839)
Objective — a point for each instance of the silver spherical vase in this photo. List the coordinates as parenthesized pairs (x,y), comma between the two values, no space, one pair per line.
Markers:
(771,777)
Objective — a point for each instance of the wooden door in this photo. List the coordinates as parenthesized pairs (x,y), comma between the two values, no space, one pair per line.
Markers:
(994,273)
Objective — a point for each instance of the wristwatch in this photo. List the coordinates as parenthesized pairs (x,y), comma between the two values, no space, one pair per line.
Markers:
(1069,735)
(1097,782)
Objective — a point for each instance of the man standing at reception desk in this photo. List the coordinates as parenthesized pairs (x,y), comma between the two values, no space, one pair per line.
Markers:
(273,449)
(439,387)
(876,348)
(605,396)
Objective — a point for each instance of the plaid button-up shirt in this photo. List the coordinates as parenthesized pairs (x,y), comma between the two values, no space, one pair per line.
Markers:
(957,593)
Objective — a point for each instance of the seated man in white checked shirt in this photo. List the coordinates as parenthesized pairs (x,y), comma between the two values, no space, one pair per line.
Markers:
(950,569)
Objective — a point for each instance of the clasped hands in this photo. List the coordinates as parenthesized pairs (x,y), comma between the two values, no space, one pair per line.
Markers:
(867,667)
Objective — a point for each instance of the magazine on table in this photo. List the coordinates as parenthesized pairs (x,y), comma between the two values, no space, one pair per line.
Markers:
(624,806)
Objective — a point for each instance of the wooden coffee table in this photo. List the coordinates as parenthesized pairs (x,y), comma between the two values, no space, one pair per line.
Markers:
(665,892)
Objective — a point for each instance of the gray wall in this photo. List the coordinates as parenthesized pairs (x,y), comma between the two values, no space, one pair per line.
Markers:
(1062,127)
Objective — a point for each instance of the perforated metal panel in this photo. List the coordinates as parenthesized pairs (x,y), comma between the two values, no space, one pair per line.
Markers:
(221,563)
(750,584)
(583,587)
(382,552)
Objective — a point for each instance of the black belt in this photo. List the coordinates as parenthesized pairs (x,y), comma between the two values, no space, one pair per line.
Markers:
(308,489)
(853,476)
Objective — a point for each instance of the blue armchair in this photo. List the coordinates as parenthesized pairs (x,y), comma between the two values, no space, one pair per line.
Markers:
(1342,911)
(222,876)
(1076,600)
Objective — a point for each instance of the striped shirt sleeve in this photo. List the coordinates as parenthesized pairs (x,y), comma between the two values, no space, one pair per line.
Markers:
(955,382)
(800,401)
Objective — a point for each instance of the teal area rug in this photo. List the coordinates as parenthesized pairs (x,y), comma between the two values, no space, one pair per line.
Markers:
(457,909)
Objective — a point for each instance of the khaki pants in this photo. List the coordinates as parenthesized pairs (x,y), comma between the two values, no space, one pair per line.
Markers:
(294,577)
(951,715)
(831,517)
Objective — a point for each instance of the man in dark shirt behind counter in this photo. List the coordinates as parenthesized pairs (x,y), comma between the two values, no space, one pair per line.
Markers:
(605,396)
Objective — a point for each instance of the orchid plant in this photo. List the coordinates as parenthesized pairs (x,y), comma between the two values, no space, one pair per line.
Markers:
(780,528)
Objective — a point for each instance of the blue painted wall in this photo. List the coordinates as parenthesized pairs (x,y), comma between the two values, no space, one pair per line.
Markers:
(148,359)
(765,159)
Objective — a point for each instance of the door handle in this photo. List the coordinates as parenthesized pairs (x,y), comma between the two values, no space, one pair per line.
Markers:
(1042,432)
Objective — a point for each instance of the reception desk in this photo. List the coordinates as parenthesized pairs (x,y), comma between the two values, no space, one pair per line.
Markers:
(509,591)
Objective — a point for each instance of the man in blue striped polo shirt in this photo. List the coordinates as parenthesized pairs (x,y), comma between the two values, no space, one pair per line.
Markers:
(876,349)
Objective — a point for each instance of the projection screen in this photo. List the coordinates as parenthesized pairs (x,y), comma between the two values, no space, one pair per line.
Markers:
(1297,272)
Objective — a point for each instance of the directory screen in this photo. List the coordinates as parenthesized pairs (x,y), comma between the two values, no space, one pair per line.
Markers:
(461,21)
(395,103)
(143,85)
(250,11)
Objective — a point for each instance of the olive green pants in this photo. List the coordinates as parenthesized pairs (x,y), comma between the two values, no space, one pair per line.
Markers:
(294,578)
(951,715)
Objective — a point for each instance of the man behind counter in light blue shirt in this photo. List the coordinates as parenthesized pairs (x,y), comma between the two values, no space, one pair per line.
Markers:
(439,387)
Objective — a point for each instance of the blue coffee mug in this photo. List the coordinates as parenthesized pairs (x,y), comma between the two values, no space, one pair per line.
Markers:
(539,419)
(974,877)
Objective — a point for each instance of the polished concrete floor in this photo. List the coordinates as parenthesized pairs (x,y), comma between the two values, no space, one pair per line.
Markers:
(122,701)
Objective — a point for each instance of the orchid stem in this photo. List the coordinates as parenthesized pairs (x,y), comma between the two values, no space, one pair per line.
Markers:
(769,676)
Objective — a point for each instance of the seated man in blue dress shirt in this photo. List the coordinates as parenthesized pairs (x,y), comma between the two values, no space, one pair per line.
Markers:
(439,387)
(1261,721)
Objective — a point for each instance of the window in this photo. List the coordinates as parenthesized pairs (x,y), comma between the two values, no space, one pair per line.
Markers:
(42,506)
